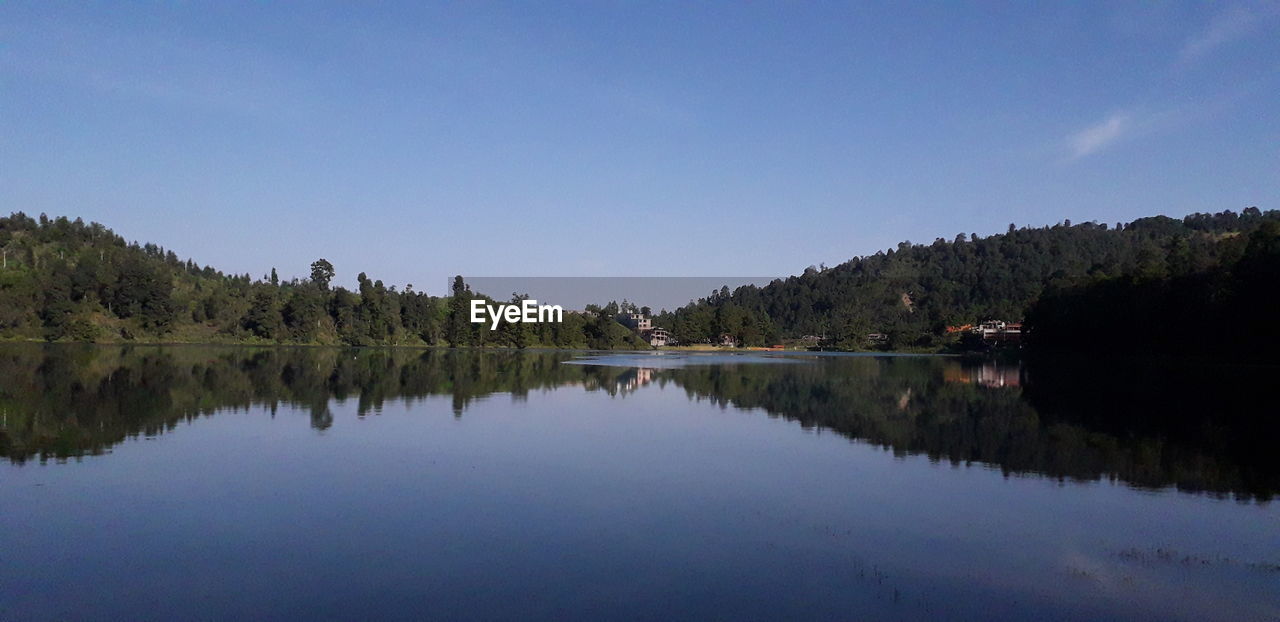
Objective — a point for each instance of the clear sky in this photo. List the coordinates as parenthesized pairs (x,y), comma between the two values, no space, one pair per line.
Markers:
(642,138)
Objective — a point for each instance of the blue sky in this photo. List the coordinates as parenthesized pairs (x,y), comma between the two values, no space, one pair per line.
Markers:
(608,139)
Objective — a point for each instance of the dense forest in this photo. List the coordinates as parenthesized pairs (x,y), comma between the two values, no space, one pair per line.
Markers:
(908,296)
(64,280)
(1229,308)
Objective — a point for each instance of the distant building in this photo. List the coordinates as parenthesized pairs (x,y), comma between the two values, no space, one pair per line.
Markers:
(989,327)
(635,321)
(658,337)
(728,341)
(998,331)
(643,326)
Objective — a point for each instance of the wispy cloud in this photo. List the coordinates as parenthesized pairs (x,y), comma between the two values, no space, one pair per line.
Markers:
(1096,137)
(1224,28)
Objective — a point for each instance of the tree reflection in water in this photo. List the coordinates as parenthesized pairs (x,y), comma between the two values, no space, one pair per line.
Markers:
(1198,428)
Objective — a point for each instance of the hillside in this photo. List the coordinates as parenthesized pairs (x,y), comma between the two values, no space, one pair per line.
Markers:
(1225,311)
(911,294)
(62,279)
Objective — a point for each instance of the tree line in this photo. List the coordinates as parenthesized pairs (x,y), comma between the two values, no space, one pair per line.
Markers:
(907,297)
(63,279)
(1226,309)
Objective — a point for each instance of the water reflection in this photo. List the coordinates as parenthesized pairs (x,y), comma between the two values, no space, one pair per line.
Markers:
(994,374)
(1197,429)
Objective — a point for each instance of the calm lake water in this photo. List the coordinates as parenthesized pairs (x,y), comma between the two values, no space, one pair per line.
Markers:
(199,482)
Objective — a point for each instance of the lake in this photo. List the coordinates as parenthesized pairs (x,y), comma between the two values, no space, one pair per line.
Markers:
(163,482)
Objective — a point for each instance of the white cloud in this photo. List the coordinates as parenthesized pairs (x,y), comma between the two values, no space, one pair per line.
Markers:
(1223,28)
(1095,137)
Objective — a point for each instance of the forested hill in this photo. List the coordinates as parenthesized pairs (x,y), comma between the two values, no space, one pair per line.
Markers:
(912,293)
(1226,311)
(62,279)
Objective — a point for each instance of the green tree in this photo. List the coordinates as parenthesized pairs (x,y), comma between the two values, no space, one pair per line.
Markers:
(321,273)
(302,313)
(263,318)
(57,308)
(459,332)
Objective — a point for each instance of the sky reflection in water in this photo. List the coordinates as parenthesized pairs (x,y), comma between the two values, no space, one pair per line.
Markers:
(285,483)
